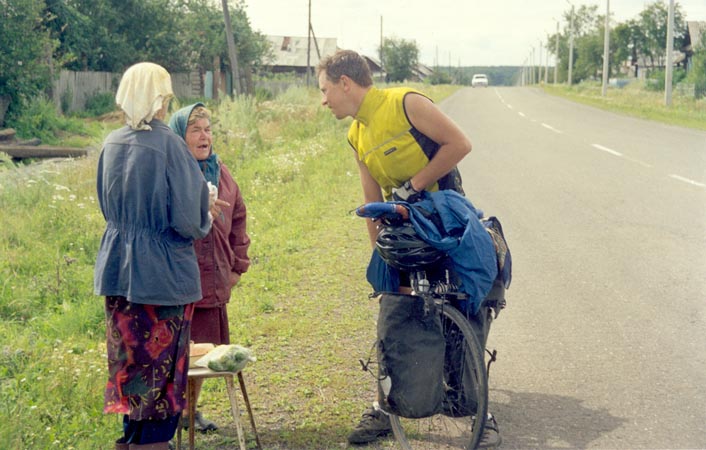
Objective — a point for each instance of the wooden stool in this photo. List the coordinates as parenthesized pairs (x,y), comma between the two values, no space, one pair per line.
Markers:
(196,373)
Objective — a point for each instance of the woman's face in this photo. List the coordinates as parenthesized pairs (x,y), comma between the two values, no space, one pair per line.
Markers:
(198,138)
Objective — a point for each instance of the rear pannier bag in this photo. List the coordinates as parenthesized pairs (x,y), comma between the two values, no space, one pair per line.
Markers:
(410,352)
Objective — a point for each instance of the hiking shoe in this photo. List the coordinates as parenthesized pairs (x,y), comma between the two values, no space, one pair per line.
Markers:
(491,434)
(373,425)
(201,424)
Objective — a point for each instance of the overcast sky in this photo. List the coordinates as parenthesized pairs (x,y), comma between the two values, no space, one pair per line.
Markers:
(459,32)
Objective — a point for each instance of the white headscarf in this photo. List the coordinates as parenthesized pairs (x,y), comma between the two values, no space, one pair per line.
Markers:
(141,94)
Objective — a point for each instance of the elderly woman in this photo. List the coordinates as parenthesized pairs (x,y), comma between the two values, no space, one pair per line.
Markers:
(156,202)
(223,254)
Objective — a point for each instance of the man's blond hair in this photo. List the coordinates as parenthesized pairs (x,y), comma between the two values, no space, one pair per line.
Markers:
(348,63)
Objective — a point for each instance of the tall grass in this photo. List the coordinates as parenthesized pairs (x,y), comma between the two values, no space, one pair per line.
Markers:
(302,306)
(636,100)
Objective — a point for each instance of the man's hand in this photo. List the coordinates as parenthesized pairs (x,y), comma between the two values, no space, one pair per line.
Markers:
(406,193)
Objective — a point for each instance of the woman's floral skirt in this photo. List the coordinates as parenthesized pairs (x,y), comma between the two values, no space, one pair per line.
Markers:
(148,358)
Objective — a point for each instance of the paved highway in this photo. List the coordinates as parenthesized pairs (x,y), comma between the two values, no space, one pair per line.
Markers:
(603,342)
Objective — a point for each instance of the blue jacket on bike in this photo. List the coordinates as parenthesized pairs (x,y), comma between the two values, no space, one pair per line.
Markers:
(448,221)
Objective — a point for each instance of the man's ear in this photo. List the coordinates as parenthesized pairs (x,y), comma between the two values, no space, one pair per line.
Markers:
(346,83)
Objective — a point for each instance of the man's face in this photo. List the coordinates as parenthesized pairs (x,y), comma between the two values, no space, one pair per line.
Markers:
(333,95)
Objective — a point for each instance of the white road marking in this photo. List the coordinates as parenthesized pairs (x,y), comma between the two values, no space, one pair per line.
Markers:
(521,114)
(620,155)
(637,161)
(549,127)
(687,180)
(606,149)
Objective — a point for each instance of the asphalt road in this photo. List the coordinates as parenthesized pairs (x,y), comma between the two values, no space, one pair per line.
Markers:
(603,342)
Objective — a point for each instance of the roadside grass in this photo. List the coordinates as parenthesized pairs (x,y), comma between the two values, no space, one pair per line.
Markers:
(303,306)
(635,100)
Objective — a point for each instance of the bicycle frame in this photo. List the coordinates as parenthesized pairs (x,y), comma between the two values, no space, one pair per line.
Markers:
(461,424)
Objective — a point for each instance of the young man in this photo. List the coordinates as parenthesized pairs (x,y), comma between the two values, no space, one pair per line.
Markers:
(403,145)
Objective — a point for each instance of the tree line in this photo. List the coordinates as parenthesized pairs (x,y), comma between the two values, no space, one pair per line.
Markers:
(636,44)
(41,37)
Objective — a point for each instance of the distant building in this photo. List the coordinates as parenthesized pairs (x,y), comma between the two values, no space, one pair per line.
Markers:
(289,53)
(695,32)
(421,72)
(375,67)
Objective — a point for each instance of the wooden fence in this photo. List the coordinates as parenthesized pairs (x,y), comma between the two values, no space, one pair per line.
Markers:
(72,89)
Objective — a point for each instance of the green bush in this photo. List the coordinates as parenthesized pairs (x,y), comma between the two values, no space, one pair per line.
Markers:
(439,77)
(697,74)
(655,81)
(38,118)
(100,103)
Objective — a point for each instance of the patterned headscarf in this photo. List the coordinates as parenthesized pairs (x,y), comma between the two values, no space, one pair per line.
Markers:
(143,89)
(179,122)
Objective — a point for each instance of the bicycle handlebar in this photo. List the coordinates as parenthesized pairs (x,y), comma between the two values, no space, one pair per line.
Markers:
(376,210)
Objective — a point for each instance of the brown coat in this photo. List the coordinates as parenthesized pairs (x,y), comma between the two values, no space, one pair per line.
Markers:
(225,248)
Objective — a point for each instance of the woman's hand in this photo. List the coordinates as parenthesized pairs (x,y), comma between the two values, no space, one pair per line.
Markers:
(217,209)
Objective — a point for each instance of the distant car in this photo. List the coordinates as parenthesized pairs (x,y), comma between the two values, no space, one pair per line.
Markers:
(479,79)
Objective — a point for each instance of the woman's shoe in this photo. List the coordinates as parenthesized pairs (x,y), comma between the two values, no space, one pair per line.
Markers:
(201,424)
(155,446)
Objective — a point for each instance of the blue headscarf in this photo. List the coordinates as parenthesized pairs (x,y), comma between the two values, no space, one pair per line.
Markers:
(178,123)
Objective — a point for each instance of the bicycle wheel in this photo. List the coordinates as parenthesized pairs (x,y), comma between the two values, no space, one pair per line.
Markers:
(460,424)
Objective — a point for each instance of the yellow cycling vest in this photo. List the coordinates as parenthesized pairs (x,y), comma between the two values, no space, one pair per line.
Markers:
(390,147)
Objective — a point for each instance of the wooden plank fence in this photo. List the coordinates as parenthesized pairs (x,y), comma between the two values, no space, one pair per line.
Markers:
(73,89)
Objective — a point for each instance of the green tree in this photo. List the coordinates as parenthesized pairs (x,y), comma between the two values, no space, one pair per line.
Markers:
(652,23)
(401,58)
(110,35)
(589,56)
(585,20)
(40,37)
(181,35)
(25,59)
(626,39)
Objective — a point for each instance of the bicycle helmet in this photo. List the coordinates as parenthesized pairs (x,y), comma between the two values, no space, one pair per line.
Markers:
(401,247)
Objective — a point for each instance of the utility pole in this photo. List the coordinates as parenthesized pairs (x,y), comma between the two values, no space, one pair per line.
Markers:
(539,64)
(232,54)
(546,64)
(670,59)
(606,49)
(556,53)
(382,65)
(308,47)
(571,46)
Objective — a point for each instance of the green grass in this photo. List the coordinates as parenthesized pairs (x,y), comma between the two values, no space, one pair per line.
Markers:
(635,100)
(302,307)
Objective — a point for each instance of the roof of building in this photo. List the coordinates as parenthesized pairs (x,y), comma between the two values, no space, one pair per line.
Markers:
(292,51)
(696,31)
(373,63)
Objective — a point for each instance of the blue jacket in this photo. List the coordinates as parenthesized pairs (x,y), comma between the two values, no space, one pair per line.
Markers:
(155,201)
(460,234)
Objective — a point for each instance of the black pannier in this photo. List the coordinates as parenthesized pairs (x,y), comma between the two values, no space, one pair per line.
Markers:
(411,356)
